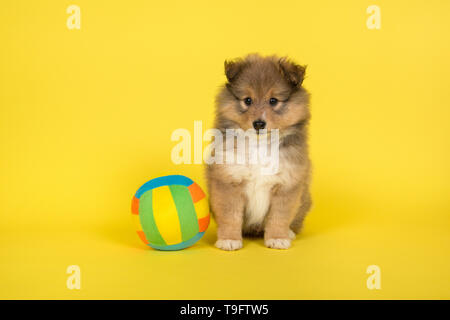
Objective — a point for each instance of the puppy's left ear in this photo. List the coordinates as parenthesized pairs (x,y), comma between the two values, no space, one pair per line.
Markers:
(294,73)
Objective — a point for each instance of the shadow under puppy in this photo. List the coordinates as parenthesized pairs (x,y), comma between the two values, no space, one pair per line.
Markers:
(262,94)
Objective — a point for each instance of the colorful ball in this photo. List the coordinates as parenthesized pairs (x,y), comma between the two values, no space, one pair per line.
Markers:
(171,212)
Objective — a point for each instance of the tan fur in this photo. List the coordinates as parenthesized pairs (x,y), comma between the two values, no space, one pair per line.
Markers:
(242,200)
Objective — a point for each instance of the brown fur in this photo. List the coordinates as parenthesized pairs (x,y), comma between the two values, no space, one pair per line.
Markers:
(262,78)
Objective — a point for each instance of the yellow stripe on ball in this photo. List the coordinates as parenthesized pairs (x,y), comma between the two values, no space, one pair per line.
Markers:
(202,208)
(166,215)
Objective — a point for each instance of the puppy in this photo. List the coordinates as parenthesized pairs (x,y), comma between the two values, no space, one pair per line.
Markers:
(263,94)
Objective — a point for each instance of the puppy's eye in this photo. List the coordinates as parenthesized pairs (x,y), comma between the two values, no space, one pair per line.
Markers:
(248,101)
(273,101)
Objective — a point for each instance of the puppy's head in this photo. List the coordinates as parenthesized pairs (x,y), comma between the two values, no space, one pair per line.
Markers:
(263,93)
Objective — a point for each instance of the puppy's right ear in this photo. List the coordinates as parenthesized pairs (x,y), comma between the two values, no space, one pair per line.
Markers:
(233,68)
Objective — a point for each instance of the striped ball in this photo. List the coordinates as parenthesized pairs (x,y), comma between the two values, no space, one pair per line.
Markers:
(170,213)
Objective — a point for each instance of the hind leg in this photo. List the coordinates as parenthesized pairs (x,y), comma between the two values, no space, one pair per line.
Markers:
(297,223)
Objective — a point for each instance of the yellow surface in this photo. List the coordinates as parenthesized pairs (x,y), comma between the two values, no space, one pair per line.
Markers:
(86,118)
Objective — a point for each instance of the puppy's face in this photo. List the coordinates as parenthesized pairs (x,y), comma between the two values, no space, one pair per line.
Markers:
(263,93)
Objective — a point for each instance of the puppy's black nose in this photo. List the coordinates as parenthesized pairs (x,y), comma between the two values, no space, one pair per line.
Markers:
(259,124)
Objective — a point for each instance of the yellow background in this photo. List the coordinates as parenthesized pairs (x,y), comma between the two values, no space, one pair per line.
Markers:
(86,117)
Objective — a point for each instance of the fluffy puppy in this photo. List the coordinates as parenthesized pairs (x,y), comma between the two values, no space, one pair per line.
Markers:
(262,93)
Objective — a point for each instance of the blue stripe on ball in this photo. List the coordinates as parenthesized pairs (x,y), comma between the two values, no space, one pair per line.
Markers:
(180,245)
(164,181)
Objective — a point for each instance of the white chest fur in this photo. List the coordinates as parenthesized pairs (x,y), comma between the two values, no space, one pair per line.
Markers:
(258,186)
(257,189)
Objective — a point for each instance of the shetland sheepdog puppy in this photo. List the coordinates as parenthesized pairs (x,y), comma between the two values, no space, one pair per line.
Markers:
(264,96)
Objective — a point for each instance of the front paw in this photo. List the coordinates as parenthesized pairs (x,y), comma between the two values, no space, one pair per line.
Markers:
(278,243)
(229,245)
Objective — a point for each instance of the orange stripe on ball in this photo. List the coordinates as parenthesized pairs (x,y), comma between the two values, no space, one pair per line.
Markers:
(197,193)
(142,236)
(203,223)
(135,206)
